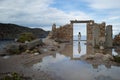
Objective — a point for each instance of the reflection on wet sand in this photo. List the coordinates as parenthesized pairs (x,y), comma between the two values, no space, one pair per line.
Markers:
(68,50)
(77,49)
(74,51)
(92,50)
(67,64)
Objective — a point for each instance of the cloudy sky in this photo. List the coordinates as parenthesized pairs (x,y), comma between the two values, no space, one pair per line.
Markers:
(43,13)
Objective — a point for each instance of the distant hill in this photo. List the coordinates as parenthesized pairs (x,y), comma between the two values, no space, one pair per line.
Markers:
(12,31)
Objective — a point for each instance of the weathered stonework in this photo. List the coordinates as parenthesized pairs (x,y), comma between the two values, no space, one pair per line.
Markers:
(53,27)
(98,34)
(89,33)
(109,39)
(63,33)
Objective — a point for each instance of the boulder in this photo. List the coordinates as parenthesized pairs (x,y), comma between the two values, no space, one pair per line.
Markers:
(107,57)
(22,47)
(17,48)
(50,42)
(34,43)
(99,56)
(89,57)
(116,40)
(13,49)
(36,53)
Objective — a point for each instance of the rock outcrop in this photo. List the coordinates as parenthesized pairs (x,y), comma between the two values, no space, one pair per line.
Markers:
(34,43)
(116,40)
(17,48)
(101,59)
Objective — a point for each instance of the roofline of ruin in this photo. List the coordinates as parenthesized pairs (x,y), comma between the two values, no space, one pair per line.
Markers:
(81,21)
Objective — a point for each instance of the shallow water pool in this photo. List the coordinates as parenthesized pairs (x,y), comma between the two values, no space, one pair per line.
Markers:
(70,67)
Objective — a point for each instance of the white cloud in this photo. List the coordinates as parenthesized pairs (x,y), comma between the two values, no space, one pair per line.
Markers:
(116,29)
(114,18)
(37,12)
(104,4)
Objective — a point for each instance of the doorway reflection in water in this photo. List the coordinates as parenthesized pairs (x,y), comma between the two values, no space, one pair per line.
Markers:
(66,65)
(79,49)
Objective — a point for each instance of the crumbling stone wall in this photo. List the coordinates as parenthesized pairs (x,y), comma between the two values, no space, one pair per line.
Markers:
(98,34)
(109,40)
(90,32)
(63,33)
(101,35)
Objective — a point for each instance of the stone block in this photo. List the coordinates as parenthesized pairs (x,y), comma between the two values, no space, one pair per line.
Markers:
(34,43)
(108,42)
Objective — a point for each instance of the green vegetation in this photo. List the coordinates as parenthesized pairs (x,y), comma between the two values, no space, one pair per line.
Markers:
(16,48)
(116,59)
(26,37)
(15,76)
(13,49)
(12,76)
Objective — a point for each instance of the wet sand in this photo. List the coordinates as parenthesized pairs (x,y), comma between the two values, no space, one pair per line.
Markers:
(24,62)
(21,64)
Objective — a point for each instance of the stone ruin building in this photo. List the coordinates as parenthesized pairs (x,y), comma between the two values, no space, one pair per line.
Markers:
(98,34)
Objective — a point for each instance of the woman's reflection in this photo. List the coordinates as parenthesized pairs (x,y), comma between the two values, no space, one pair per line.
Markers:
(79,47)
(79,38)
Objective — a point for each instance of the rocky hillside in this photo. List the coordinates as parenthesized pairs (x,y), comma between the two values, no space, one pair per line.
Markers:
(12,31)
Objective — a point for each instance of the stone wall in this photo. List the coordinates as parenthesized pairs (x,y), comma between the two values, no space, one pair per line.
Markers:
(109,40)
(90,32)
(101,35)
(63,33)
(98,32)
